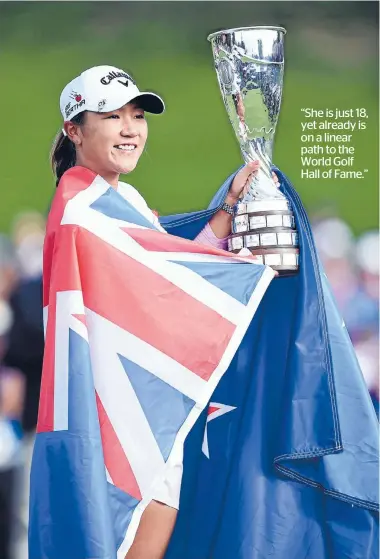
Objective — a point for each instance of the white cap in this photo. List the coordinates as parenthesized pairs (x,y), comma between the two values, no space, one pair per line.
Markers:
(104,89)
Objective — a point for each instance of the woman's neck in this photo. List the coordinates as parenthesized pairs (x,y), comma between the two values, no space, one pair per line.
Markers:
(111,178)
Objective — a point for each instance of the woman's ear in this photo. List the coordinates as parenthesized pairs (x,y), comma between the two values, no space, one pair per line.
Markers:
(73,132)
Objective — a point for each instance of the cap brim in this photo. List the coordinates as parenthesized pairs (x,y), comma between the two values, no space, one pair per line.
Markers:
(150,102)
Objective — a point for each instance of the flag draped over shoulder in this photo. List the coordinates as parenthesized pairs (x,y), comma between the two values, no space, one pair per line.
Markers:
(284,463)
(140,326)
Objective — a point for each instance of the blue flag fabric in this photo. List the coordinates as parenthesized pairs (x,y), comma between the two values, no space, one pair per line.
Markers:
(291,469)
(140,326)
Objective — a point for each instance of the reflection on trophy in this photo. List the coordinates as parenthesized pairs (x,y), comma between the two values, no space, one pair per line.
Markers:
(249,63)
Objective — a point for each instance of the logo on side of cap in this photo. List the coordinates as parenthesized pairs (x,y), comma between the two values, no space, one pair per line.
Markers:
(76,96)
(79,102)
(106,80)
(101,105)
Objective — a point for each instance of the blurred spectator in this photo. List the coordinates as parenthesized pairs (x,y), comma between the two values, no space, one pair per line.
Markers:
(26,344)
(352,267)
(26,341)
(11,405)
(28,232)
(9,268)
(367,258)
(367,352)
(361,310)
(336,244)
(24,352)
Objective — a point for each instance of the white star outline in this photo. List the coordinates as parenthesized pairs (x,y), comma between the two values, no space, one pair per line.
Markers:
(222,409)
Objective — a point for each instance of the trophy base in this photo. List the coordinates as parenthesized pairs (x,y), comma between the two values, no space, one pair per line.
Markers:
(267,229)
(263,220)
(266,206)
(284,260)
(268,237)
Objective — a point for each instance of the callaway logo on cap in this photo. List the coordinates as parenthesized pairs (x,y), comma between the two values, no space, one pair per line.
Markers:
(105,89)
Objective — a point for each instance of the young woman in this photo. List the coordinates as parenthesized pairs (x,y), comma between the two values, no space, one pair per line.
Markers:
(105,130)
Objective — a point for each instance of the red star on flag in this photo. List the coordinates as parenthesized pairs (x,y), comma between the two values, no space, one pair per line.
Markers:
(215,410)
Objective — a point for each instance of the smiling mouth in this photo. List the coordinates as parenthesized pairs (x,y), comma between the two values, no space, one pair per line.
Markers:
(126,147)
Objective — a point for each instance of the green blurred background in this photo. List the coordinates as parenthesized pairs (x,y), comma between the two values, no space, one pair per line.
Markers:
(331,61)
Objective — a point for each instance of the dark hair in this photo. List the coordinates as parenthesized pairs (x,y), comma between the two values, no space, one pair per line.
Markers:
(63,154)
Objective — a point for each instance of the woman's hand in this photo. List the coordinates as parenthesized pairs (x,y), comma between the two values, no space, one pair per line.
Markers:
(242,180)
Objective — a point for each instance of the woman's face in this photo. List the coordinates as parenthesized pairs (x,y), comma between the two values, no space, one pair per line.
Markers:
(111,143)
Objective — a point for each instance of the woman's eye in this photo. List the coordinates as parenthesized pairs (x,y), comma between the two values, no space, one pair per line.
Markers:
(113,116)
(140,116)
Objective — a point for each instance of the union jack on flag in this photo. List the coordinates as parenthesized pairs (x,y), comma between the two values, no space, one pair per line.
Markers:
(139,328)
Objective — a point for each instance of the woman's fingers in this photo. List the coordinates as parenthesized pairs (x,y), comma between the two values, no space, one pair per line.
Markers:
(254,166)
(246,174)
(275,178)
(251,168)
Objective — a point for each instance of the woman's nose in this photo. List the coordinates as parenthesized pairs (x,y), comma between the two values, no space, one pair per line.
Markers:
(129,128)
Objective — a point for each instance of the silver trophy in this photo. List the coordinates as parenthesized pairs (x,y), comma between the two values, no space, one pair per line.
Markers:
(249,63)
